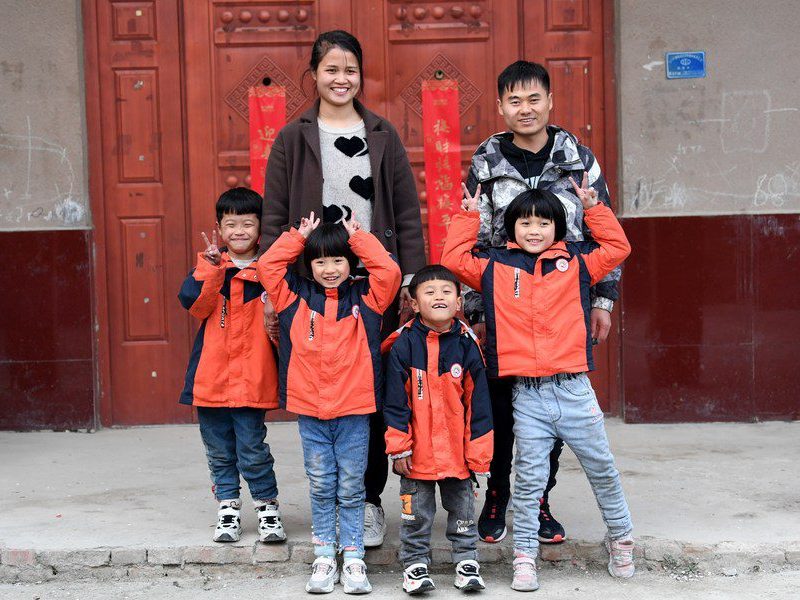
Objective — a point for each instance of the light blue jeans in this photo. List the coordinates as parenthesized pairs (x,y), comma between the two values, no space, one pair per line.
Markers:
(335,457)
(565,407)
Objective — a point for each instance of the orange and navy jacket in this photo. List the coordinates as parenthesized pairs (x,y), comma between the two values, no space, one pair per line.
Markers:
(437,406)
(232,363)
(329,353)
(537,306)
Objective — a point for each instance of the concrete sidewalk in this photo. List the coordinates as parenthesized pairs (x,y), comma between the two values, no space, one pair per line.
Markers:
(713,497)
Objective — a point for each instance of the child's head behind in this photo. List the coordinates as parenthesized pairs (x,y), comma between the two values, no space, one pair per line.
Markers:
(328,256)
(435,295)
(535,220)
(239,221)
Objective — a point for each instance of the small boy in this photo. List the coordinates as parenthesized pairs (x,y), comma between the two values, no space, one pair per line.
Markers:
(232,378)
(439,427)
(330,375)
(536,294)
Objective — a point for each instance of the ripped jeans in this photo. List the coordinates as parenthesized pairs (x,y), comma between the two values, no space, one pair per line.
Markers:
(335,457)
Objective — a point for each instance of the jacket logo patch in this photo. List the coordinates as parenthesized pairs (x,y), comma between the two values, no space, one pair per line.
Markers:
(456,371)
(562,264)
(420,388)
(311,332)
(263,297)
(356,311)
(516,283)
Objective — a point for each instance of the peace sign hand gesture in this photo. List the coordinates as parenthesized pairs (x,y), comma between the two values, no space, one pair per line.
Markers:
(211,253)
(588,195)
(352,226)
(307,225)
(470,202)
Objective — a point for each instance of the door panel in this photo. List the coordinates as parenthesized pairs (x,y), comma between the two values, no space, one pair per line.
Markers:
(142,140)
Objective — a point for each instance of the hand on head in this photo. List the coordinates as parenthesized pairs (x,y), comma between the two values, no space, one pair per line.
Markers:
(307,225)
(211,253)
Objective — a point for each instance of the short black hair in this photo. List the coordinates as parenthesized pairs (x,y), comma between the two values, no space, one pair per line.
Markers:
(430,273)
(329,239)
(521,73)
(540,203)
(239,201)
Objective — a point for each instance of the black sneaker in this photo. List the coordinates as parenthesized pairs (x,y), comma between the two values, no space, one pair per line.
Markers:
(550,530)
(492,522)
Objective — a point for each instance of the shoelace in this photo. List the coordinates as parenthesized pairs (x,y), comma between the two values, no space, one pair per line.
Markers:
(621,555)
(524,568)
(321,568)
(356,569)
(469,569)
(419,573)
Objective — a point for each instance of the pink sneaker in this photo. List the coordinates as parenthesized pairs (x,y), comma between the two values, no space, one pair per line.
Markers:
(525,579)
(620,557)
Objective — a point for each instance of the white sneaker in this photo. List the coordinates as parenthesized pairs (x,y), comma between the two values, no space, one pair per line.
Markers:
(416,579)
(374,525)
(468,576)
(620,557)
(229,523)
(525,579)
(354,577)
(324,574)
(270,527)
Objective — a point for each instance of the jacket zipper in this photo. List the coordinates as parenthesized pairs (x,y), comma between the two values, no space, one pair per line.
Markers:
(420,389)
(224,312)
(516,282)
(311,326)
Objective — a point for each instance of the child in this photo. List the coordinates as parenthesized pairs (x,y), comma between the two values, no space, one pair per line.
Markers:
(330,374)
(232,378)
(536,294)
(532,153)
(439,420)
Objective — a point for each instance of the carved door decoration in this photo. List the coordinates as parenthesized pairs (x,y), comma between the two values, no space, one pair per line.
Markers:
(230,46)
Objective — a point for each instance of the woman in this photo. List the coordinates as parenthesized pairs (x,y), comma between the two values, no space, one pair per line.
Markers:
(341,160)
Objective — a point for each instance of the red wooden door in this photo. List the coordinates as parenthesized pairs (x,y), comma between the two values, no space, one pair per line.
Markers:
(152,222)
(144,216)
(568,37)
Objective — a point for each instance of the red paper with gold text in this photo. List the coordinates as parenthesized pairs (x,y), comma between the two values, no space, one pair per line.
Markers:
(442,147)
(267,107)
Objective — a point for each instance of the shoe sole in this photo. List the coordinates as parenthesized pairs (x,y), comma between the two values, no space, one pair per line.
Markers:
(272,538)
(527,589)
(495,540)
(558,539)
(226,539)
(470,586)
(425,587)
(356,591)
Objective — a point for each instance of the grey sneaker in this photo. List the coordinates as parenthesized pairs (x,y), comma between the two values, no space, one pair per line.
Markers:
(324,574)
(525,579)
(270,527)
(374,525)
(468,576)
(229,523)
(620,557)
(354,577)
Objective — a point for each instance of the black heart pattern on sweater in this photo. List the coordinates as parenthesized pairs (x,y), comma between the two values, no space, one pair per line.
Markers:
(363,187)
(336,214)
(354,146)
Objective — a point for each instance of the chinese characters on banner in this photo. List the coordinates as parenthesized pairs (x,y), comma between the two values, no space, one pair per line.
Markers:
(267,107)
(442,147)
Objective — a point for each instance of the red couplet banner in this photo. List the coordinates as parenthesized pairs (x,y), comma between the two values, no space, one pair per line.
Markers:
(267,107)
(442,147)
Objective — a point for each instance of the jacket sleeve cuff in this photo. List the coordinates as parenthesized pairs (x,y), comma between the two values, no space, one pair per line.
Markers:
(400,455)
(604,303)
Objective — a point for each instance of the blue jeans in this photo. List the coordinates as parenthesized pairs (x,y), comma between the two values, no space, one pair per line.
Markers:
(235,443)
(547,408)
(335,457)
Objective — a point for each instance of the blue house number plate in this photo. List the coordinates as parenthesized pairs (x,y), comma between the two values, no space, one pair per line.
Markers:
(686,65)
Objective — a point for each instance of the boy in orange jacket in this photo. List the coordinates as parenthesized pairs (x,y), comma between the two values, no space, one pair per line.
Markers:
(536,294)
(439,427)
(232,378)
(330,375)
